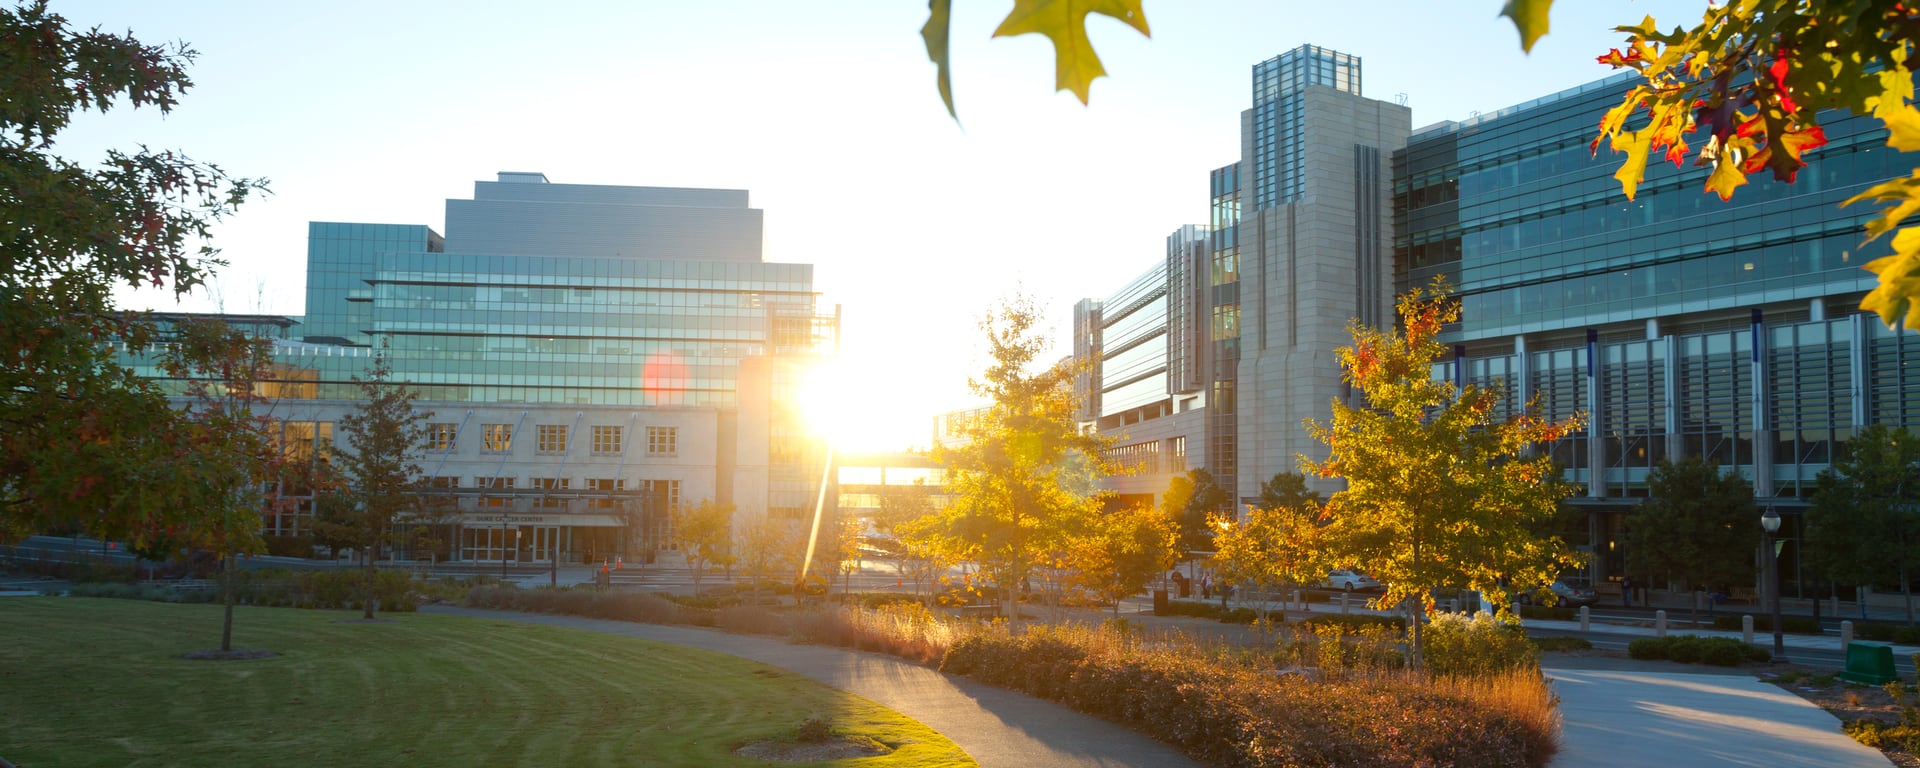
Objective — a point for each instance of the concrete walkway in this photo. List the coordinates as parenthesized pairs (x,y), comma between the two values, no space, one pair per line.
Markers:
(1626,717)
(998,728)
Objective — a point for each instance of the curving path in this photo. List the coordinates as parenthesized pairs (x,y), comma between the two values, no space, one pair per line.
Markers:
(998,728)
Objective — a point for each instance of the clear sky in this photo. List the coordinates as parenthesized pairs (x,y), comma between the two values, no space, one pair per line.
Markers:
(825,111)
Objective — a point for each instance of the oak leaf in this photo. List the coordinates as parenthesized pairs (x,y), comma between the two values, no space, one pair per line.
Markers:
(1065,23)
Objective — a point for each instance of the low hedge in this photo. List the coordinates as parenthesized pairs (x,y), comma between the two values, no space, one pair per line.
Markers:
(395,591)
(1886,632)
(1553,612)
(1232,715)
(1204,610)
(1799,625)
(1696,649)
(1349,622)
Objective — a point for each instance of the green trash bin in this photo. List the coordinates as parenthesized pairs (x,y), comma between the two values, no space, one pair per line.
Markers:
(1870,664)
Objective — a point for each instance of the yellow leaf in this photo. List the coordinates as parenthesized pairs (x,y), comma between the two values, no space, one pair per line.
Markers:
(1905,193)
(1903,128)
(1897,299)
(1725,178)
(1635,144)
(1065,23)
(1529,18)
(935,33)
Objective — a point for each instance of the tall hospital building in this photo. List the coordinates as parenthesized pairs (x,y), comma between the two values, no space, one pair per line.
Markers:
(591,355)
(1679,323)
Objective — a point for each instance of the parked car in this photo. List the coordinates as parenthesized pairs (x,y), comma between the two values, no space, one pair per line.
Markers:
(1568,595)
(1350,580)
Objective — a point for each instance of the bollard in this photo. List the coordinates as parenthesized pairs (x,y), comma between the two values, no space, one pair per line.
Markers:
(1660,623)
(1344,597)
(1296,599)
(1846,634)
(1584,618)
(1746,628)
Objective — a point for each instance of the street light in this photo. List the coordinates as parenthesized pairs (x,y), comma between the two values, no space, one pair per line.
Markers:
(1770,522)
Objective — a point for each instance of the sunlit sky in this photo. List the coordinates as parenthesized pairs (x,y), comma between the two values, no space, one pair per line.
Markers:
(825,111)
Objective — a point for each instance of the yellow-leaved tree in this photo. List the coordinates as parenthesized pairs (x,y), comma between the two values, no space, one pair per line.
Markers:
(1441,494)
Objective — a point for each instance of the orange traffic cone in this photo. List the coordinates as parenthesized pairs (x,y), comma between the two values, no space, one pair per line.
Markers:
(619,562)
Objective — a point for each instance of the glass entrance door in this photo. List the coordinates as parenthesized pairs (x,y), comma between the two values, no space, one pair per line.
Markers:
(546,544)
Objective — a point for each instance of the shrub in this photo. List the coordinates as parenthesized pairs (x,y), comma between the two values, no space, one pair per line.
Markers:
(1695,649)
(1554,612)
(1477,644)
(1352,623)
(813,730)
(1224,711)
(1556,644)
(1799,625)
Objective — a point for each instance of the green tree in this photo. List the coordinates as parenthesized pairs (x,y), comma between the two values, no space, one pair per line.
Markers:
(1864,524)
(1271,546)
(228,462)
(1287,490)
(920,558)
(703,532)
(1191,502)
(769,550)
(1440,493)
(1698,525)
(1119,553)
(385,434)
(84,444)
(1026,475)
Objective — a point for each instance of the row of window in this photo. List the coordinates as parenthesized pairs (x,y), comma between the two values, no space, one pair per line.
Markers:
(553,438)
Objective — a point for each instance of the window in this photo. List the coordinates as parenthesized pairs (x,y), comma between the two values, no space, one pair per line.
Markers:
(551,484)
(551,438)
(505,483)
(606,484)
(442,482)
(496,438)
(663,441)
(440,436)
(608,440)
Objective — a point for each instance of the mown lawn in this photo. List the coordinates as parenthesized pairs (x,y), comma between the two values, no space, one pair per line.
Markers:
(98,682)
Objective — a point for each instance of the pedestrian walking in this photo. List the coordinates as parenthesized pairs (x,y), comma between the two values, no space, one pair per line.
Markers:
(1626,591)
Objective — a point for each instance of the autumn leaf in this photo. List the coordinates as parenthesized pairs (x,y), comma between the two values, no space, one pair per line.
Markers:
(1529,18)
(935,32)
(1904,193)
(1065,23)
(1903,128)
(1893,299)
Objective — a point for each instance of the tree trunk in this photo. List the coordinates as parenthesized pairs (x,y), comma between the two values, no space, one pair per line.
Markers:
(373,554)
(1906,591)
(226,624)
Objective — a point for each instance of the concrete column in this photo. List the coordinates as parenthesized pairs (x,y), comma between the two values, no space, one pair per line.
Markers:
(1344,597)
(1746,629)
(1585,619)
(1660,623)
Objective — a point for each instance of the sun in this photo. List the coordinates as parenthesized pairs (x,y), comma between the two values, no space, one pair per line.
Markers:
(860,408)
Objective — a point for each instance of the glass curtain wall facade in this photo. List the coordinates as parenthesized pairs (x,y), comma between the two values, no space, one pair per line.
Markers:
(581,350)
(1682,325)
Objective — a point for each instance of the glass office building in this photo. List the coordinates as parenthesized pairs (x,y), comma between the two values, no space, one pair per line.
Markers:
(1680,323)
(592,355)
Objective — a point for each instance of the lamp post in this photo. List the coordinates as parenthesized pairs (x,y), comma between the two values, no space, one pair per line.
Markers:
(1770,522)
